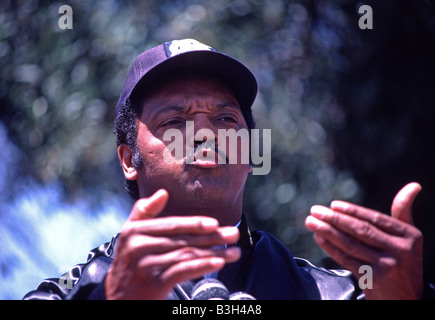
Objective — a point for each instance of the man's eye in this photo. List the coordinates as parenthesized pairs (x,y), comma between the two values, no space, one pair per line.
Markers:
(171,123)
(228,119)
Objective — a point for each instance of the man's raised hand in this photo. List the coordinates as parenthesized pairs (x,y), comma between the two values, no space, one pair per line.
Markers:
(154,254)
(391,245)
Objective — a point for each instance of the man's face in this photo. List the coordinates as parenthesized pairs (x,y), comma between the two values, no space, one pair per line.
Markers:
(200,186)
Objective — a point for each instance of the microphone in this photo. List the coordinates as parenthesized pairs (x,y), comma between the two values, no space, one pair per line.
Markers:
(241,296)
(210,289)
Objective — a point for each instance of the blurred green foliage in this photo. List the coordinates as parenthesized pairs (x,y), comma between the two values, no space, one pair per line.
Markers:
(345,105)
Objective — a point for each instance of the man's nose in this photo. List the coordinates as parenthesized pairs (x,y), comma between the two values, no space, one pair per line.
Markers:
(204,130)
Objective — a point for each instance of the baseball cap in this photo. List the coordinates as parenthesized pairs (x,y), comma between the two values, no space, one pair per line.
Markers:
(184,55)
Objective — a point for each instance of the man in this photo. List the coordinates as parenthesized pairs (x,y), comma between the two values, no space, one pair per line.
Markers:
(187,222)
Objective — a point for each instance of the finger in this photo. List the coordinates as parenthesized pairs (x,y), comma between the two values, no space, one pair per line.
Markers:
(180,260)
(339,256)
(146,208)
(401,207)
(347,245)
(165,260)
(171,226)
(363,230)
(222,236)
(379,220)
(192,269)
(139,245)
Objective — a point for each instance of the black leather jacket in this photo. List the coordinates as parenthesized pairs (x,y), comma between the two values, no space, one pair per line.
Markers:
(266,270)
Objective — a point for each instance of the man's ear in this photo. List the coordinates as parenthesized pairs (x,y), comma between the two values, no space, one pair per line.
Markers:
(125,158)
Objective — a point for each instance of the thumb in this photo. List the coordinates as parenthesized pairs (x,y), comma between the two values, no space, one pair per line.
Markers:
(401,208)
(147,208)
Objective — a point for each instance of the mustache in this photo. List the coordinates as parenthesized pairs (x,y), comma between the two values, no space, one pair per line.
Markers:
(199,147)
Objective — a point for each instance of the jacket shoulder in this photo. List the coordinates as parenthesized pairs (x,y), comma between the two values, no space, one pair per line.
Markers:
(80,280)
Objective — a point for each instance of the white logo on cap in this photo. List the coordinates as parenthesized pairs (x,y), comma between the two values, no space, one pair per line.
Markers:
(186,45)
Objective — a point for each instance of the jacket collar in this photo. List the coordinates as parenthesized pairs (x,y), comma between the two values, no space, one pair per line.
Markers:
(245,240)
